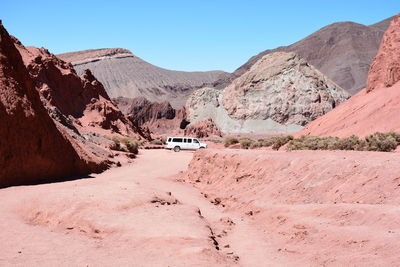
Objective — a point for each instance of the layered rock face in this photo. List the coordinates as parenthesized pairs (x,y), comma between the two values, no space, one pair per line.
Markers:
(283,87)
(84,99)
(374,109)
(33,147)
(280,93)
(385,71)
(342,51)
(126,75)
(158,117)
(202,129)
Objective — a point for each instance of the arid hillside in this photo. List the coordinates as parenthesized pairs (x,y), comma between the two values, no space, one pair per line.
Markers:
(126,75)
(342,51)
(376,108)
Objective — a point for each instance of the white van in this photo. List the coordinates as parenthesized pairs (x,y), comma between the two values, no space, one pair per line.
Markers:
(178,143)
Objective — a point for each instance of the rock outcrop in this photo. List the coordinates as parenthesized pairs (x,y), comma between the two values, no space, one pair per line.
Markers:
(280,93)
(385,70)
(202,129)
(33,147)
(84,100)
(158,117)
(374,109)
(342,51)
(126,75)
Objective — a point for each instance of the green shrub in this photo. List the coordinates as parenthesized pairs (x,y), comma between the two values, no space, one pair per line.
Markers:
(245,143)
(132,147)
(280,141)
(230,141)
(125,144)
(382,141)
(374,142)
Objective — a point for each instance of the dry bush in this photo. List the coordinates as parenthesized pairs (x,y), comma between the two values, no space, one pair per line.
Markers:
(375,142)
(125,144)
(245,143)
(280,141)
(230,141)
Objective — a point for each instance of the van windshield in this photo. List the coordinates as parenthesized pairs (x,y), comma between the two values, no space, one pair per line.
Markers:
(195,141)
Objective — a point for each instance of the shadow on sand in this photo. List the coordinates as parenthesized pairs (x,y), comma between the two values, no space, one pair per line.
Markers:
(52,181)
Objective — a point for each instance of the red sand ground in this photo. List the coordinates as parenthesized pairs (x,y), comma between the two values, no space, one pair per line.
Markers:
(248,208)
(122,217)
(329,208)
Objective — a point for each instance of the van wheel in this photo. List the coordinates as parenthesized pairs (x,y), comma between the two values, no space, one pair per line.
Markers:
(202,147)
(177,149)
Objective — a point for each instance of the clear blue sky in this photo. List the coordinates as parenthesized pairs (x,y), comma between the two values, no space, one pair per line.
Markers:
(182,35)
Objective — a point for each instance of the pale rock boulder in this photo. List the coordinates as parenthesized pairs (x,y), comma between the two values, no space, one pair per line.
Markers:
(280,93)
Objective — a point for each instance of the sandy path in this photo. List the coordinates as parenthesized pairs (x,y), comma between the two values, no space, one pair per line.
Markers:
(133,215)
(124,216)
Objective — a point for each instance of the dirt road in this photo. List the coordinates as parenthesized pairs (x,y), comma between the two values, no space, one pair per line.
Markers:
(127,216)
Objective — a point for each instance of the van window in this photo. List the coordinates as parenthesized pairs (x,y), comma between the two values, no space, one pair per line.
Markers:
(189,140)
(195,141)
(177,140)
(184,140)
(169,139)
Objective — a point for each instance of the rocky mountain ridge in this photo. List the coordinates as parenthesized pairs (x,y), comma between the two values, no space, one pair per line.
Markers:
(374,109)
(342,51)
(126,75)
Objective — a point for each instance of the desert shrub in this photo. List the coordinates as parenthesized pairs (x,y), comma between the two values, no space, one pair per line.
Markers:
(156,142)
(245,143)
(266,142)
(374,142)
(349,143)
(125,144)
(280,141)
(256,144)
(230,141)
(132,147)
(116,145)
(382,141)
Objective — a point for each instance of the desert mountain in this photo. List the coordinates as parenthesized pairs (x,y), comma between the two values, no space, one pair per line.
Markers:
(376,108)
(33,147)
(280,93)
(126,75)
(342,51)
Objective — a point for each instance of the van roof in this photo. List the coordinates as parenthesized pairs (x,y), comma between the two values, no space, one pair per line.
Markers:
(181,137)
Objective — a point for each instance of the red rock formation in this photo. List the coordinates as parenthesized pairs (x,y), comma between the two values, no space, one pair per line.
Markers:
(160,117)
(202,129)
(374,109)
(83,99)
(385,70)
(32,148)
